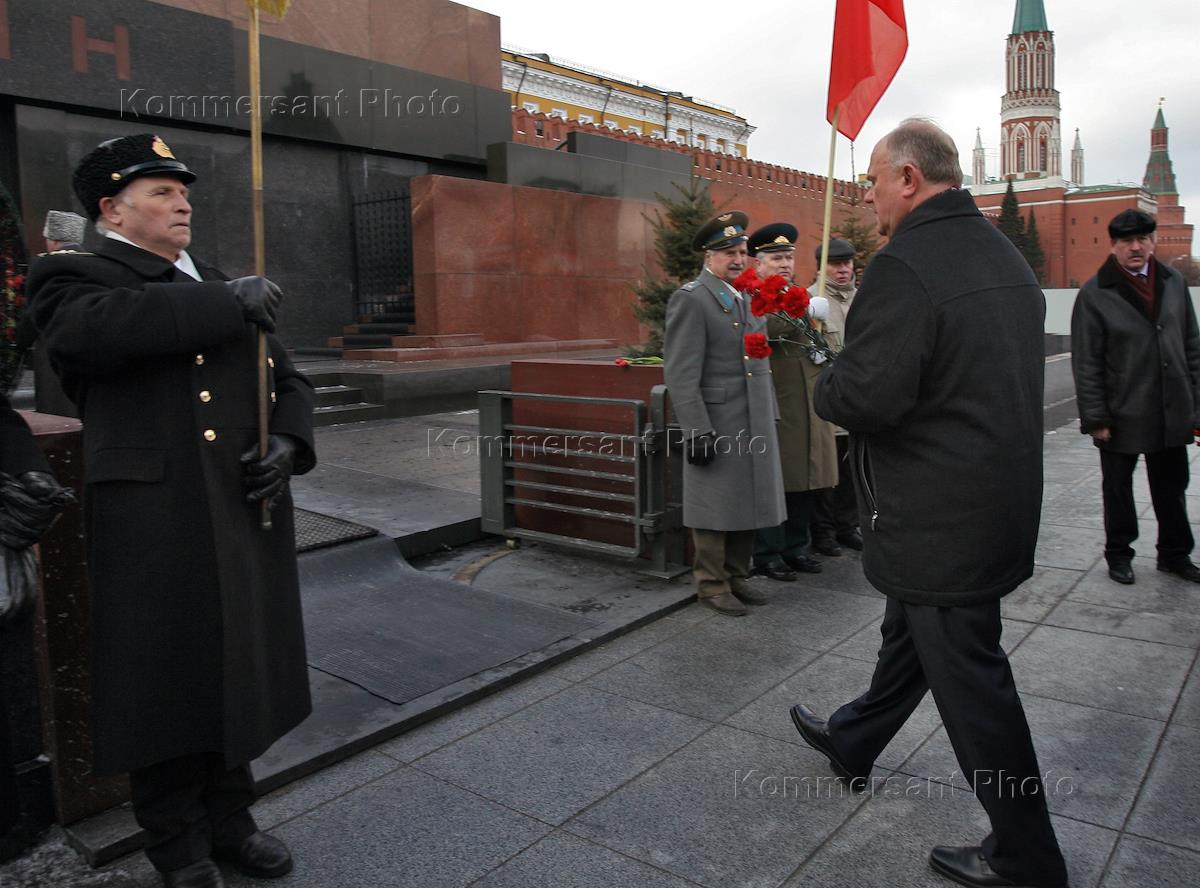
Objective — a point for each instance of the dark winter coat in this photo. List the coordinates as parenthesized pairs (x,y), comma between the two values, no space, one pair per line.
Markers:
(940,386)
(19,452)
(1137,373)
(197,639)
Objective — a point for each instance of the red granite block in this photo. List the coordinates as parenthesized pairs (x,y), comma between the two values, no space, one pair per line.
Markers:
(605,307)
(476,303)
(483,48)
(546,231)
(612,236)
(473,227)
(549,307)
(425,35)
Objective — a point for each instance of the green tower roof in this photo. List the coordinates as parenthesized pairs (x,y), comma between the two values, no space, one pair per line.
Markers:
(1160,176)
(1030,16)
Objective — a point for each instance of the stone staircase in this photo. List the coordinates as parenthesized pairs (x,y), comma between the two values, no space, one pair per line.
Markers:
(337,402)
(390,337)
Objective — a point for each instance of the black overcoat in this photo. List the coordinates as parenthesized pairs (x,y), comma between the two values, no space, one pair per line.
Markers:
(1137,372)
(940,386)
(197,638)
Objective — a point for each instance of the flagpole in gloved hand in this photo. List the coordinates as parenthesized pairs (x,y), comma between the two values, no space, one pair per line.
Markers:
(278,8)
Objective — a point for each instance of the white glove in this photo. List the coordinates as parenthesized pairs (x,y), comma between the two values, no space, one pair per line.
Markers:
(818,308)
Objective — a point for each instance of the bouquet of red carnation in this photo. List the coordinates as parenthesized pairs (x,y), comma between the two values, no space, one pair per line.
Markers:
(757,345)
(775,296)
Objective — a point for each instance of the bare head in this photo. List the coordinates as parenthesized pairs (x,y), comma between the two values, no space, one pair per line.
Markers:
(910,164)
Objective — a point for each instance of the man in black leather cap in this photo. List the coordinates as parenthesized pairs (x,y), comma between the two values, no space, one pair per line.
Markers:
(1135,353)
(198,645)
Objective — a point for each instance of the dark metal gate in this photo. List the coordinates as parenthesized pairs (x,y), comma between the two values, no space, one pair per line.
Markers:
(383,253)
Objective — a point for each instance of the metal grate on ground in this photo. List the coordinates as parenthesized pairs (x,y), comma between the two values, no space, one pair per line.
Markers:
(316,531)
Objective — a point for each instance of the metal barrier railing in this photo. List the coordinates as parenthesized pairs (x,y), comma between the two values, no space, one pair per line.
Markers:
(523,465)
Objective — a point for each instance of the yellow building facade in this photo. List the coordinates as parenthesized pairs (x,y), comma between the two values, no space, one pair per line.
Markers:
(557,87)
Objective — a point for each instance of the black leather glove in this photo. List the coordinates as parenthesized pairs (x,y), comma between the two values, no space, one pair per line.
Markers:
(259,298)
(28,506)
(266,477)
(701,450)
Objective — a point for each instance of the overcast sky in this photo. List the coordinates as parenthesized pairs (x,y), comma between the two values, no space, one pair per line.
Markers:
(769,60)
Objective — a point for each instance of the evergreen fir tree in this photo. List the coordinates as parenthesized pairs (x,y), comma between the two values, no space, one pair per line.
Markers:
(674,227)
(862,235)
(12,291)
(1034,255)
(1011,223)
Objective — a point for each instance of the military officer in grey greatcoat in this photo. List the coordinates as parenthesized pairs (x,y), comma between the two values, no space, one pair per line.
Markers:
(198,644)
(725,405)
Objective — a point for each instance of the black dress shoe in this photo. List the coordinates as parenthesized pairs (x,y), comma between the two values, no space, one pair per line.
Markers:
(968,866)
(803,564)
(1122,572)
(259,856)
(816,734)
(851,539)
(1184,569)
(776,570)
(201,874)
(827,546)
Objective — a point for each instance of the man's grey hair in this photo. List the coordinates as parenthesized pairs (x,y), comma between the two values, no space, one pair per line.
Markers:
(926,146)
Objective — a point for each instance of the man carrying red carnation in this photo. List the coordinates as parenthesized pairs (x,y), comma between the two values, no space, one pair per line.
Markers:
(720,386)
(807,448)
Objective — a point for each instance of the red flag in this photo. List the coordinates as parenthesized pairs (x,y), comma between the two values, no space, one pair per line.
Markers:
(870,38)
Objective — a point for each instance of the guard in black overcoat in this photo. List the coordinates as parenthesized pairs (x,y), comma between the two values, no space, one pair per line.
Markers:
(198,644)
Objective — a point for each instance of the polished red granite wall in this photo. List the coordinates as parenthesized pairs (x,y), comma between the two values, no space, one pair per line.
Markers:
(525,264)
(518,264)
(433,36)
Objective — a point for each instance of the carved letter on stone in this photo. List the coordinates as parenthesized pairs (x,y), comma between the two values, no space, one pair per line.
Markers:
(82,44)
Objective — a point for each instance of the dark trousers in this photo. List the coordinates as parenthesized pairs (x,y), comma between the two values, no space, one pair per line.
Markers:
(835,511)
(955,653)
(787,540)
(188,804)
(1167,471)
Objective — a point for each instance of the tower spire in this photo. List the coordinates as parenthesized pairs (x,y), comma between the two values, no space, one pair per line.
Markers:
(1030,141)
(1160,177)
(1029,16)
(1077,160)
(978,165)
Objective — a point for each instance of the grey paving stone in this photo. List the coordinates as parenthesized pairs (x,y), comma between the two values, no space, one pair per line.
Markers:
(560,755)
(712,669)
(842,573)
(621,648)
(1092,761)
(437,733)
(731,808)
(296,798)
(1074,548)
(823,686)
(1068,471)
(811,617)
(406,830)
(1154,591)
(887,841)
(1178,629)
(566,861)
(1142,864)
(1120,674)
(1036,597)
(1187,711)
(1169,807)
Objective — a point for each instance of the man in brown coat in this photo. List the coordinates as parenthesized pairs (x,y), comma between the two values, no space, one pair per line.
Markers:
(806,442)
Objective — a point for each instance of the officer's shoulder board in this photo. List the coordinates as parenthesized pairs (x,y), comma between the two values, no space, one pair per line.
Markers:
(67,253)
(690,285)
